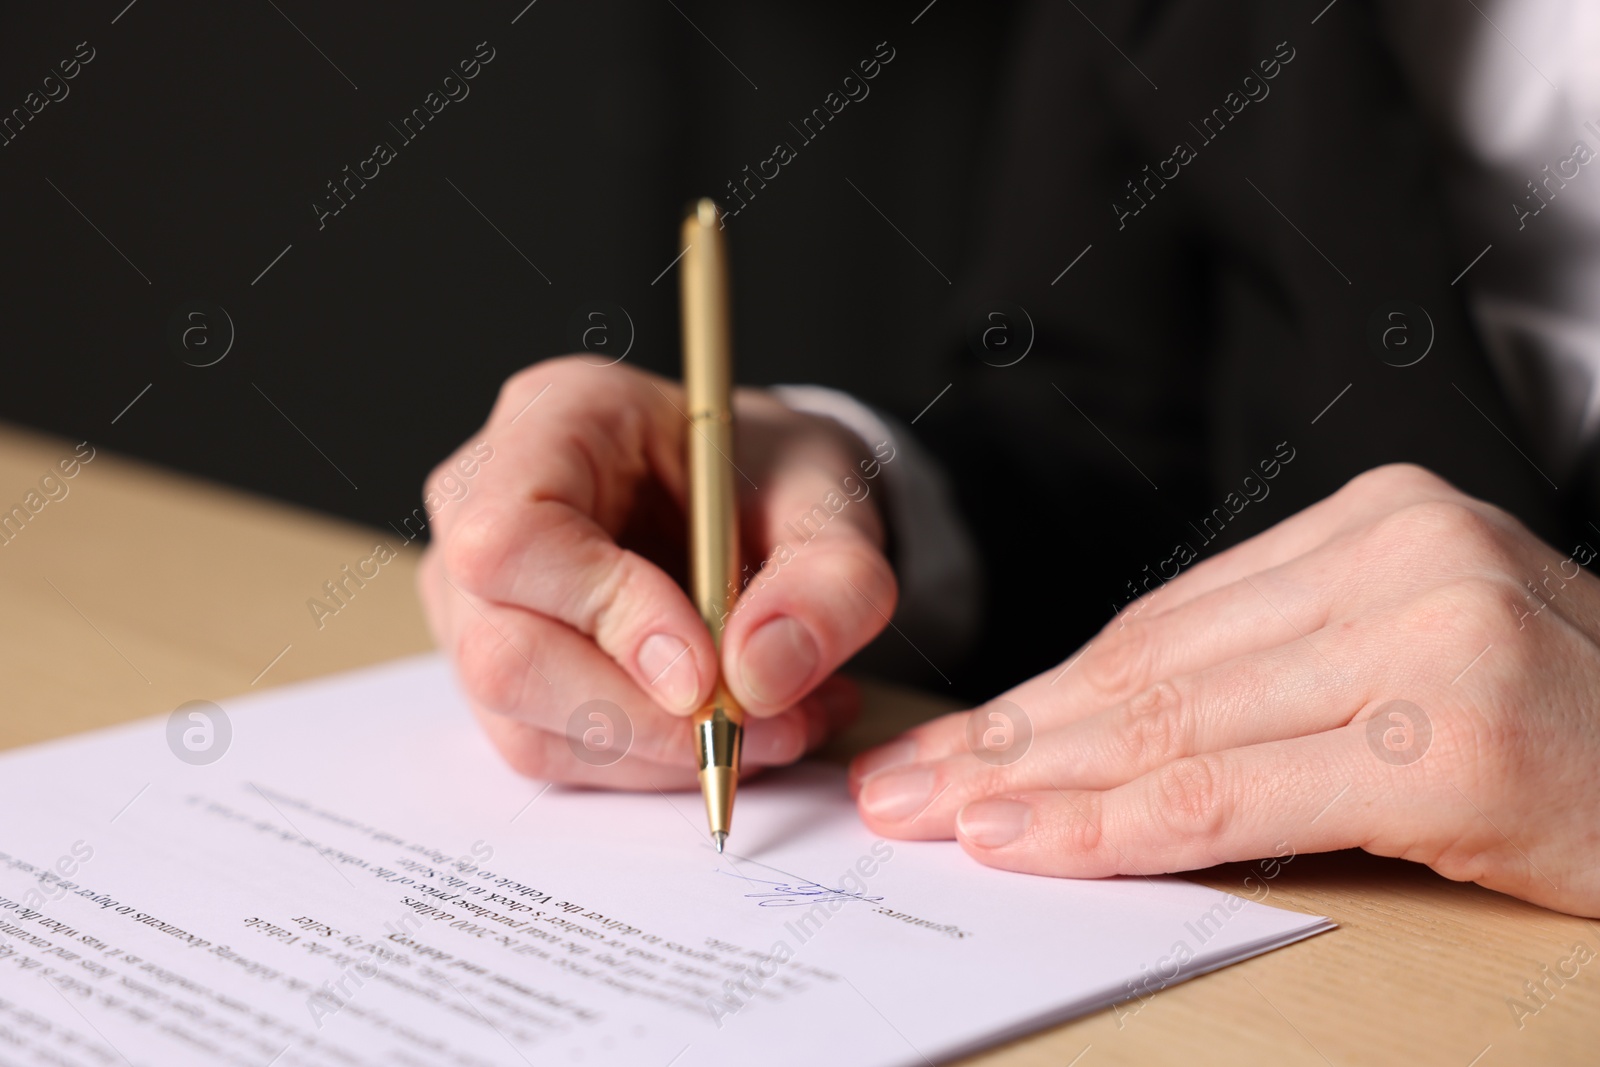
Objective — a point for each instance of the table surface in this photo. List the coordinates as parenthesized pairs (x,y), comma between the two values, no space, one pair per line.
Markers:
(142,589)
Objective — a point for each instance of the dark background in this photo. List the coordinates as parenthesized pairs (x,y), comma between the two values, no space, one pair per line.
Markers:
(199,137)
(990,148)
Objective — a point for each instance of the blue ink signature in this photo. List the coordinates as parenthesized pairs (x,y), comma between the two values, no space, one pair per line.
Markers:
(797,894)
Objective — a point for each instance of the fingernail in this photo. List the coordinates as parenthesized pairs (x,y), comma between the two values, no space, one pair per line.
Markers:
(896,795)
(668,666)
(992,823)
(883,757)
(773,742)
(778,660)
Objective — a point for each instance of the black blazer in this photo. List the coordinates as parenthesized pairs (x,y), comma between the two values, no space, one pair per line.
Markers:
(1251,213)
(1225,303)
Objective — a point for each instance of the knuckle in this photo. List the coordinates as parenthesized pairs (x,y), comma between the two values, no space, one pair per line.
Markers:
(427,573)
(1470,532)
(426,582)
(1478,611)
(1468,538)
(554,374)
(877,577)
(661,738)
(1493,607)
(614,603)
(476,550)
(1149,729)
(941,737)
(1491,742)
(1397,481)
(529,753)
(1188,798)
(867,567)
(1492,735)
(1468,860)
(525,384)
(492,672)
(1079,829)
(1120,661)
(849,591)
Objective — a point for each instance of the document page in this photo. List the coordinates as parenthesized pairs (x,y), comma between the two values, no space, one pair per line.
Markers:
(343,873)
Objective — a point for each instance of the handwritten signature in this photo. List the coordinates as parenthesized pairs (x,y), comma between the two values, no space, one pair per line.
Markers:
(797,894)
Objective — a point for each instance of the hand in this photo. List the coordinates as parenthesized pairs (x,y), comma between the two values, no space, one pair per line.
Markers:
(550,577)
(1249,705)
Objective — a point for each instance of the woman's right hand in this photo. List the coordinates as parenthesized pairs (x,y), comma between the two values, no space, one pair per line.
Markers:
(551,582)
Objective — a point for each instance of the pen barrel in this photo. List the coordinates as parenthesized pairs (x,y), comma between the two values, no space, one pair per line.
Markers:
(713,500)
(708,387)
(713,523)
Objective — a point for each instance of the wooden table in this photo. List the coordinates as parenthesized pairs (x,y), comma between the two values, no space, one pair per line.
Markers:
(141,589)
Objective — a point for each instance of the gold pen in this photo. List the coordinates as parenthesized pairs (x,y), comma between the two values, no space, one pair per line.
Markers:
(713,507)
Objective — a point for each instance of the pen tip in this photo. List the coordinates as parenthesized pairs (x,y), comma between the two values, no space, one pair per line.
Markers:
(721,838)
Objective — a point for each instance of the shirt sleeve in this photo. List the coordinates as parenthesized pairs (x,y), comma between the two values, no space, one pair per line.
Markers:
(935,558)
(1520,193)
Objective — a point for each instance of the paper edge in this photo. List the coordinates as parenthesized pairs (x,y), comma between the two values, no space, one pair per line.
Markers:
(1320,924)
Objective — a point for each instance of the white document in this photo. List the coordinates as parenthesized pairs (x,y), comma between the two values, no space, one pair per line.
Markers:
(358,880)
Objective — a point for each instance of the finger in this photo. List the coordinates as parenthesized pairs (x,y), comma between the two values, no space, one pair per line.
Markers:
(565,429)
(498,655)
(828,711)
(1121,664)
(541,754)
(1315,793)
(505,658)
(565,757)
(517,664)
(1301,688)
(550,559)
(538,531)
(430,586)
(779,740)
(1260,611)
(932,740)
(822,591)
(1256,612)
(1356,505)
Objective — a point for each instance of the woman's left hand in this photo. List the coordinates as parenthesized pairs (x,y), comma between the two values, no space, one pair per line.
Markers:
(1399,668)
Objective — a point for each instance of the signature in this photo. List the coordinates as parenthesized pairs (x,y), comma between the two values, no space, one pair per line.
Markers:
(797,894)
